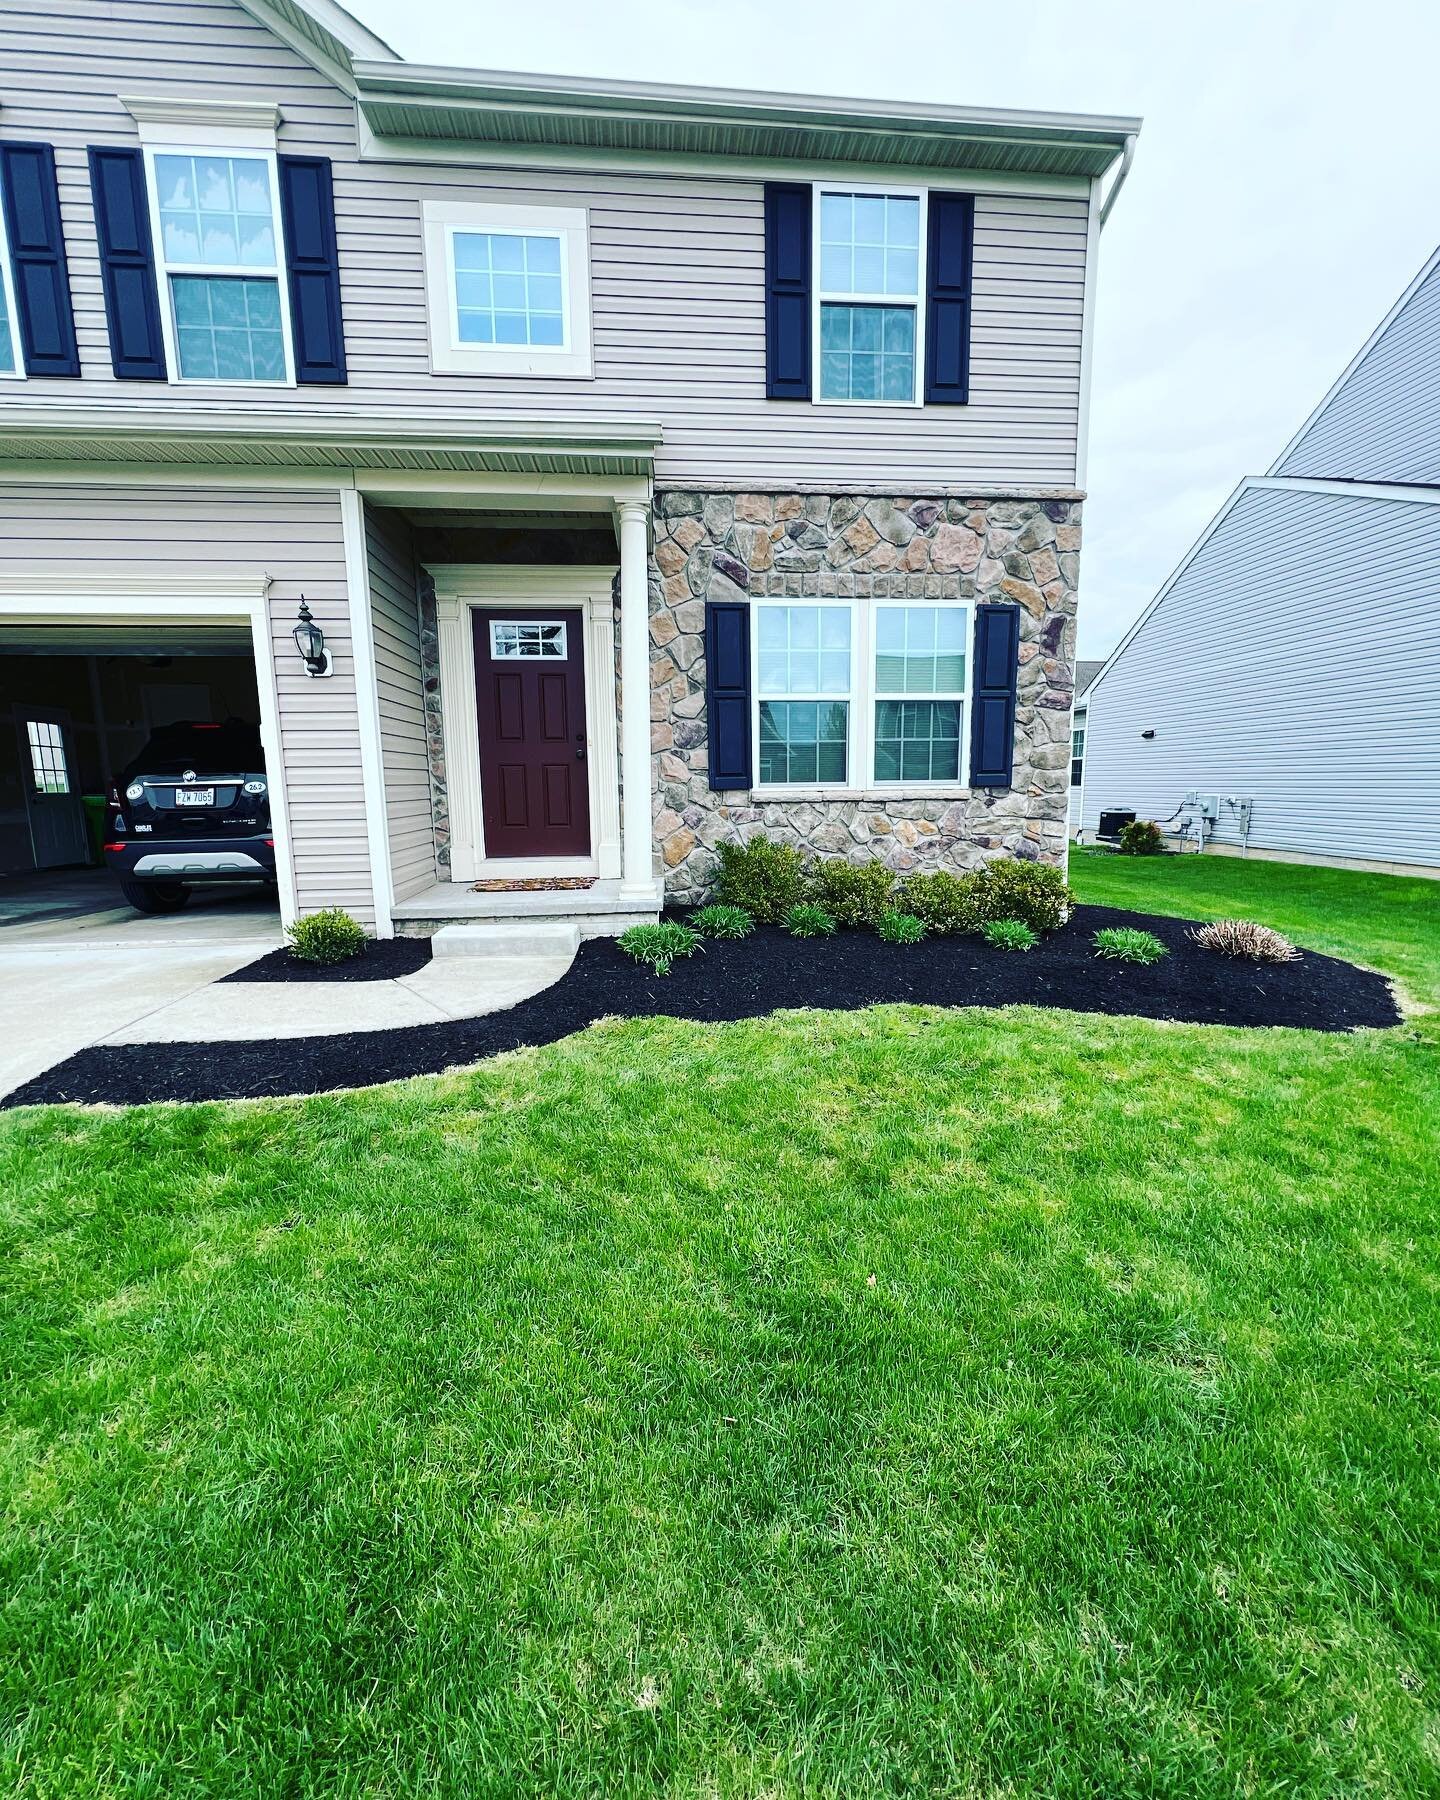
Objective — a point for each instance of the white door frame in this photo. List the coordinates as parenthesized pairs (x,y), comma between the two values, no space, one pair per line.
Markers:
(461,588)
(128,599)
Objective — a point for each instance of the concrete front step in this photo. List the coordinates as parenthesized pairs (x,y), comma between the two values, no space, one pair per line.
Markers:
(508,937)
(599,911)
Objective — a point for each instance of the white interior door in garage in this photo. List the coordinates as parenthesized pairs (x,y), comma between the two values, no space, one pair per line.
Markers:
(52,801)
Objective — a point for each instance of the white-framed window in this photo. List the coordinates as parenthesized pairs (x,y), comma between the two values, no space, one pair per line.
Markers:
(11,361)
(1077,754)
(850,695)
(507,289)
(869,326)
(224,304)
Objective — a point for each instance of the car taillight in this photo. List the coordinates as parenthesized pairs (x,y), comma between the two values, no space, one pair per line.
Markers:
(114,846)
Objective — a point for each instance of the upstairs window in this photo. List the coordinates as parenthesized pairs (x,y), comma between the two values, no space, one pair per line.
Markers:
(870,249)
(508,289)
(9,344)
(217,230)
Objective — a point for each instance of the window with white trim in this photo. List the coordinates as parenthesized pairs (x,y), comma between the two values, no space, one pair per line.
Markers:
(870,251)
(855,694)
(508,289)
(216,226)
(1077,755)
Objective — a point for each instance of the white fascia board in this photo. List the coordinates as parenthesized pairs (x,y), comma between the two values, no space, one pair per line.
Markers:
(342,38)
(1356,360)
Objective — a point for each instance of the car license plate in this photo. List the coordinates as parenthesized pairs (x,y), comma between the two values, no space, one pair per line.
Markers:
(194,796)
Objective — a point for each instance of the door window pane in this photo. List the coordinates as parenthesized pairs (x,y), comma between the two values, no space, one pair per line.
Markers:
(520,640)
(228,328)
(47,757)
(508,288)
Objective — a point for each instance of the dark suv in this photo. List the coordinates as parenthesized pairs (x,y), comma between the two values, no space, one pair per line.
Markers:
(192,807)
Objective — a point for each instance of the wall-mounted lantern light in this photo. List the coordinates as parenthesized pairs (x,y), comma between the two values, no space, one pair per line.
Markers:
(1147,735)
(310,642)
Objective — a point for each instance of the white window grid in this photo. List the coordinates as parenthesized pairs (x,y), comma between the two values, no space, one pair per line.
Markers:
(48,768)
(525,640)
(165,268)
(822,296)
(862,696)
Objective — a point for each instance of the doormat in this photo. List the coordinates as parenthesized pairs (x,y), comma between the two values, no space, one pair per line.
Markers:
(537,884)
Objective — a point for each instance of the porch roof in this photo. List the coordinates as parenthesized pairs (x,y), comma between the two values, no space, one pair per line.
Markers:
(287,439)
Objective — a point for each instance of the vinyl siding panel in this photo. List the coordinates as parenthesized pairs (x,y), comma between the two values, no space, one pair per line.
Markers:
(404,754)
(1383,422)
(676,277)
(1289,663)
(296,539)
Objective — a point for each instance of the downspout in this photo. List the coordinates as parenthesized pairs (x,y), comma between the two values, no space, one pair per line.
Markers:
(1127,157)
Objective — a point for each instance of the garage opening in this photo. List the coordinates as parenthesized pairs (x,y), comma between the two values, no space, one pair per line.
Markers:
(113,799)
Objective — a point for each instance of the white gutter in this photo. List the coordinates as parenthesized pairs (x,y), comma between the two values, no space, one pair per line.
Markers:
(1127,157)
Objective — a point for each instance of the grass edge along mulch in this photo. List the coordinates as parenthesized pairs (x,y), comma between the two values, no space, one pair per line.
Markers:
(765,973)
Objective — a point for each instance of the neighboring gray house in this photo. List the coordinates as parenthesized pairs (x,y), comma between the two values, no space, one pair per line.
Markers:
(1086,669)
(661,464)
(1285,675)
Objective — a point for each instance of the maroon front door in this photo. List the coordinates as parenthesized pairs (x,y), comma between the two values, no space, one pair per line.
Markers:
(530,696)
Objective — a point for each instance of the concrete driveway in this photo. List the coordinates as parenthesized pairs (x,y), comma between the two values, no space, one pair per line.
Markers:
(76,966)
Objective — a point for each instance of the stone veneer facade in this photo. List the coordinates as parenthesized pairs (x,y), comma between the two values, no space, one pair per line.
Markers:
(729,546)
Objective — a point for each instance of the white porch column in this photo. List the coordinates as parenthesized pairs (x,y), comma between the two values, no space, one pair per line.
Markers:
(637,855)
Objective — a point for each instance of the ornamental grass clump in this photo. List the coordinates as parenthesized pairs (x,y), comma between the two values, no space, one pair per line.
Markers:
(1245,940)
(659,945)
(722,922)
(765,879)
(1009,934)
(331,936)
(1126,943)
(898,927)
(807,920)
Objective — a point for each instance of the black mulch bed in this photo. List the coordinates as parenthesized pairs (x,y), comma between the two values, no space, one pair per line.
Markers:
(381,960)
(765,973)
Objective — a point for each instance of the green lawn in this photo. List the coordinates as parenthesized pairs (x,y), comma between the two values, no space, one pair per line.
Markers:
(906,1403)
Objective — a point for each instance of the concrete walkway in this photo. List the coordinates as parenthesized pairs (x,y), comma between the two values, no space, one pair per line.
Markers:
(449,988)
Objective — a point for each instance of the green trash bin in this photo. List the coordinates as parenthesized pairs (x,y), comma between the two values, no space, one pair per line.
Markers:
(96,813)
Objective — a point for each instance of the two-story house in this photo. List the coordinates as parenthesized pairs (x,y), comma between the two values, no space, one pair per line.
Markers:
(660,464)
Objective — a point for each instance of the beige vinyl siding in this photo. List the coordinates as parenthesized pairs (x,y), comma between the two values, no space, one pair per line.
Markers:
(213,533)
(677,267)
(404,755)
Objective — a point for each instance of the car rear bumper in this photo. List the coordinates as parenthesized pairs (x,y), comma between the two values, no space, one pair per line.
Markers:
(193,859)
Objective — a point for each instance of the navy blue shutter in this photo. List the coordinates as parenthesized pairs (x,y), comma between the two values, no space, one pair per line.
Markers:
(992,728)
(37,258)
(727,692)
(788,206)
(951,238)
(307,209)
(127,264)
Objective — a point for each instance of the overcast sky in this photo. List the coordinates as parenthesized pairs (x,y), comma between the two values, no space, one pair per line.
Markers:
(1284,193)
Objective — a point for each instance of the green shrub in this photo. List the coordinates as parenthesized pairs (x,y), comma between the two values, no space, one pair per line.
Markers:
(326,937)
(852,893)
(898,927)
(1009,934)
(807,920)
(1011,888)
(722,922)
(944,901)
(1141,837)
(660,944)
(765,879)
(1126,943)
